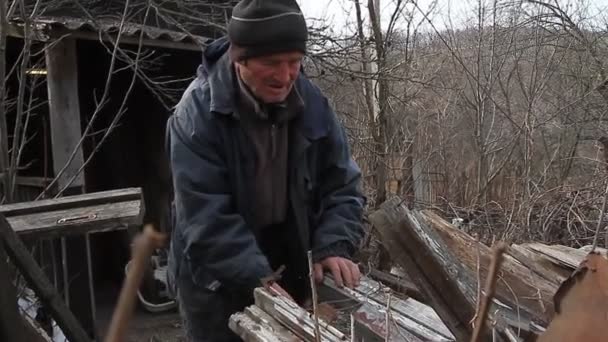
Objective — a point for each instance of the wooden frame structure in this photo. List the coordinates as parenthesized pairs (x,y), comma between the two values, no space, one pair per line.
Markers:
(60,35)
(69,216)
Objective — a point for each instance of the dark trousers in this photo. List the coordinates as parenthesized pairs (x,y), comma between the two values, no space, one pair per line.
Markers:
(206,312)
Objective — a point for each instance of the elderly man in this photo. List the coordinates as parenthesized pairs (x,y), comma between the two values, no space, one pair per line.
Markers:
(262,173)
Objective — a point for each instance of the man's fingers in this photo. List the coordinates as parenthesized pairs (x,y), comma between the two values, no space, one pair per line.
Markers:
(318,272)
(356,273)
(334,267)
(345,269)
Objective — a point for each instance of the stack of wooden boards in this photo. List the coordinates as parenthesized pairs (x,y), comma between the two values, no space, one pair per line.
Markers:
(448,268)
(360,313)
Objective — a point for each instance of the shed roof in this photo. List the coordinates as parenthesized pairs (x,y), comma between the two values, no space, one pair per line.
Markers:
(49,28)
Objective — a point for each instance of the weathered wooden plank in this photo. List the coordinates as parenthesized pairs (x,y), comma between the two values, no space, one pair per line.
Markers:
(415,250)
(522,290)
(410,307)
(249,330)
(400,284)
(540,265)
(522,299)
(369,325)
(39,283)
(70,202)
(448,260)
(409,314)
(560,255)
(295,318)
(279,331)
(64,111)
(98,218)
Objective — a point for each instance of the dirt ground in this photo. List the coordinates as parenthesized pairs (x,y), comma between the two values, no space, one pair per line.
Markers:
(144,326)
(149,327)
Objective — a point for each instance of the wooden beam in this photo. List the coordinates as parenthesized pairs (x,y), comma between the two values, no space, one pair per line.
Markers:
(36,278)
(64,110)
(92,219)
(399,233)
(78,214)
(449,265)
(536,264)
(295,318)
(521,296)
(70,202)
(562,256)
(5,185)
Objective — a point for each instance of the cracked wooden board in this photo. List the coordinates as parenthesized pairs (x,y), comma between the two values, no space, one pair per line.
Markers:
(408,315)
(442,261)
(295,318)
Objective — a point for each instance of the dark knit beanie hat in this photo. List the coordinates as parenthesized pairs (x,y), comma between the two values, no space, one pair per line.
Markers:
(262,27)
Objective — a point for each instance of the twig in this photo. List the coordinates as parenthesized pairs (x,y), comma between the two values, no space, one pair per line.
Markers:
(600,220)
(388,314)
(490,287)
(313,287)
(478,282)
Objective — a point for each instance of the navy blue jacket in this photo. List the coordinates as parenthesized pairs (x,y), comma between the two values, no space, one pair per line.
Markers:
(213,163)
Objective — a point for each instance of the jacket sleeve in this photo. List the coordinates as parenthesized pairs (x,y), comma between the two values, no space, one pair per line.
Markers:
(340,229)
(215,237)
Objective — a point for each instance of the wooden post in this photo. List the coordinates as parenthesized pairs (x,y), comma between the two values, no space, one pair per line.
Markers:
(40,284)
(4,158)
(405,247)
(62,81)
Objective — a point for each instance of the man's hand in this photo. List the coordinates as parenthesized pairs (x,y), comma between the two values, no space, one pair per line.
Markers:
(344,271)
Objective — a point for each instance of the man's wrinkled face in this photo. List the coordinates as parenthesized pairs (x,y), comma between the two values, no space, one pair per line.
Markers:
(270,78)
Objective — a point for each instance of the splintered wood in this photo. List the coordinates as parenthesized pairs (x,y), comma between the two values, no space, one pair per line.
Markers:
(450,267)
(446,270)
(275,318)
(409,319)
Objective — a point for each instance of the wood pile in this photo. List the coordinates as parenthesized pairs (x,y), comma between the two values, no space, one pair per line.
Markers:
(360,312)
(555,292)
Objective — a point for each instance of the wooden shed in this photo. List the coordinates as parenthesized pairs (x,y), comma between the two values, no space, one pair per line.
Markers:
(97,116)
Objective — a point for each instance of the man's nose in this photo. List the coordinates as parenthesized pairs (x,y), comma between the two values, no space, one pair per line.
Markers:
(284,73)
